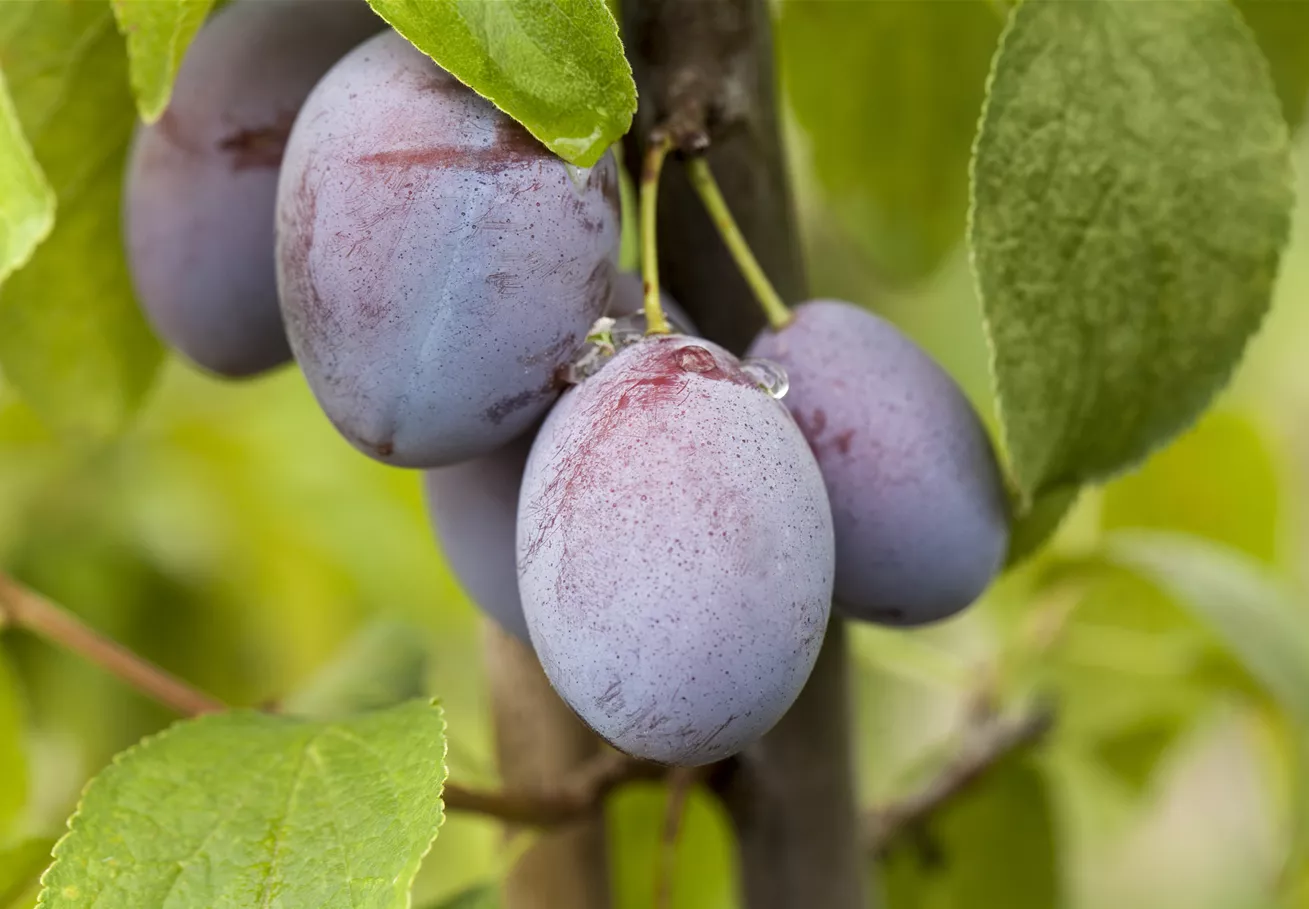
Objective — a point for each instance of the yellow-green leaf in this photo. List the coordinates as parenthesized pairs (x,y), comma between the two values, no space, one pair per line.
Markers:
(158,33)
(27,203)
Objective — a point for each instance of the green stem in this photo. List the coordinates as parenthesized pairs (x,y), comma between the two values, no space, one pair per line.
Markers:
(707,187)
(656,323)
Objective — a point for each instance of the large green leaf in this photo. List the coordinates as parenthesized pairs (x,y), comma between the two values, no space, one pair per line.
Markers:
(555,66)
(27,203)
(72,339)
(13,758)
(888,95)
(1131,197)
(1261,622)
(993,845)
(243,809)
(157,33)
(1282,29)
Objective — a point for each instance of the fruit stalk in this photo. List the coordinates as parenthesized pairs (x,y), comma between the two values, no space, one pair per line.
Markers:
(650,173)
(791,796)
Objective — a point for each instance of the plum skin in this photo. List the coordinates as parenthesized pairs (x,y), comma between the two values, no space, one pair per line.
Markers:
(473,505)
(917,495)
(201,182)
(436,264)
(675,553)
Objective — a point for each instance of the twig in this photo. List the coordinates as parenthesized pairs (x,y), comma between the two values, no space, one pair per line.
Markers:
(992,740)
(656,323)
(578,796)
(29,610)
(681,780)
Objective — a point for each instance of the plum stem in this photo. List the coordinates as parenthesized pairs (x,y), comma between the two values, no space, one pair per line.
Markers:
(656,323)
(702,178)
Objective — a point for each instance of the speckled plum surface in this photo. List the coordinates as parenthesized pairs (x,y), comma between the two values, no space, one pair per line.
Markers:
(917,496)
(675,553)
(202,181)
(436,263)
(473,507)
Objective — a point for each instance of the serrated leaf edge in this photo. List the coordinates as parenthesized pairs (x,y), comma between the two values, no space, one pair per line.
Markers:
(154,738)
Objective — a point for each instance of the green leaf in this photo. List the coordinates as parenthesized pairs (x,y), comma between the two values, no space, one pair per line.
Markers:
(1282,29)
(1039,521)
(158,33)
(20,868)
(72,339)
(960,862)
(244,809)
(1218,481)
(555,66)
(27,203)
(1131,196)
(483,896)
(1256,617)
(13,756)
(384,664)
(888,95)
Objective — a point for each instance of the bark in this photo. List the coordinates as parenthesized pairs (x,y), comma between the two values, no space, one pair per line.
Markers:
(704,70)
(539,741)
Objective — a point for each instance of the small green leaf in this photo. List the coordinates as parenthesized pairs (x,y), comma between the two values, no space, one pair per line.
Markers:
(27,203)
(1039,521)
(888,95)
(20,868)
(243,809)
(13,756)
(1264,626)
(158,33)
(1282,29)
(555,66)
(384,664)
(72,339)
(1131,197)
(962,862)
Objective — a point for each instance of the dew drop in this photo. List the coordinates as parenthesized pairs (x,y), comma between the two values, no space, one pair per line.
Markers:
(770,376)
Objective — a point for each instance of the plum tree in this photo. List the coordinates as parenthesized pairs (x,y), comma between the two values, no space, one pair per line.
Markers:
(917,496)
(675,552)
(473,505)
(202,182)
(436,264)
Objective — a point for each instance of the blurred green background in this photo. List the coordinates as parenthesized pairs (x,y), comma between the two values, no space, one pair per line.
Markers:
(234,538)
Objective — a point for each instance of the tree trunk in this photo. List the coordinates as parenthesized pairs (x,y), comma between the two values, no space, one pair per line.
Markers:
(539,741)
(710,63)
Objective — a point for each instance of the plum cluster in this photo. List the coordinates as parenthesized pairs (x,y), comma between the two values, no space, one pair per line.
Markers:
(667,525)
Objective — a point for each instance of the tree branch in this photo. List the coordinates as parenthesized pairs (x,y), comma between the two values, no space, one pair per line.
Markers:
(984,747)
(580,795)
(29,610)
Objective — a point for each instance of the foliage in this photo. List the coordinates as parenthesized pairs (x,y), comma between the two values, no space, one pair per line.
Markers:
(1131,201)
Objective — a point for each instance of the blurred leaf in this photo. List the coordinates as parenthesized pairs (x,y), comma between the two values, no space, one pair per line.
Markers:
(72,339)
(1131,195)
(1282,30)
(993,845)
(703,867)
(20,867)
(382,665)
(13,757)
(1262,624)
(483,896)
(27,203)
(555,66)
(158,33)
(233,809)
(888,94)
(1218,481)
(1132,754)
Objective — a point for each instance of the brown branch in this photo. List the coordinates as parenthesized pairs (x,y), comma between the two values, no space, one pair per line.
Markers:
(29,610)
(984,747)
(582,793)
